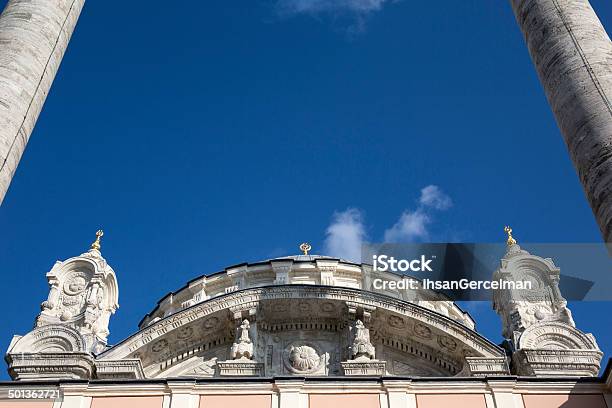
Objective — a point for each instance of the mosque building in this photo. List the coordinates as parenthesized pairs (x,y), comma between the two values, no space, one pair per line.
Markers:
(306,331)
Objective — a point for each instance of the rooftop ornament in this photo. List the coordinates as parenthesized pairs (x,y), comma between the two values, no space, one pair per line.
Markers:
(510,241)
(96,244)
(305,247)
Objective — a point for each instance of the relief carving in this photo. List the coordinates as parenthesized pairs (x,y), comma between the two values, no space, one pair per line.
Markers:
(362,348)
(304,359)
(242,347)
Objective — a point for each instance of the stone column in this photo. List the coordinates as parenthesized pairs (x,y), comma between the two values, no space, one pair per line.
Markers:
(34,35)
(573,57)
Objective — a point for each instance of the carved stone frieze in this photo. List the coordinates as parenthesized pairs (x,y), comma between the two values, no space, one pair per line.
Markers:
(56,365)
(364,367)
(119,369)
(485,366)
(282,308)
(241,367)
(557,363)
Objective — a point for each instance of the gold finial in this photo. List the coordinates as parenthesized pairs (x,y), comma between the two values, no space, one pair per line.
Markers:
(511,241)
(305,247)
(96,244)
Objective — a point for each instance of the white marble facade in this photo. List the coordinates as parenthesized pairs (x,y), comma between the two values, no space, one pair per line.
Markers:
(299,316)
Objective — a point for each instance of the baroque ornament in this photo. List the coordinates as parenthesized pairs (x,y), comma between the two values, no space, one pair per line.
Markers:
(362,348)
(243,347)
(422,331)
(211,323)
(159,346)
(396,321)
(304,358)
(184,333)
(328,307)
(447,343)
(83,295)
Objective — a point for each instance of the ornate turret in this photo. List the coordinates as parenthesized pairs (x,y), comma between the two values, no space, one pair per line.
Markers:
(73,322)
(537,324)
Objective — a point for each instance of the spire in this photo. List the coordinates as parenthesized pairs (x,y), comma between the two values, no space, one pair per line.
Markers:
(512,247)
(96,244)
(510,241)
(305,247)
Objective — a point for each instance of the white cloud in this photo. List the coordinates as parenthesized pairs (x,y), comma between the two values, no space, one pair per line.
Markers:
(432,196)
(320,6)
(345,235)
(410,226)
(413,225)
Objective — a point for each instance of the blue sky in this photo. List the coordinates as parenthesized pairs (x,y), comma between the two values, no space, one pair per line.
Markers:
(220,132)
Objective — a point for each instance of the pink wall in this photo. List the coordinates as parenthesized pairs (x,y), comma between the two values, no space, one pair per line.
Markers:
(344,400)
(451,401)
(131,402)
(564,401)
(235,401)
(26,404)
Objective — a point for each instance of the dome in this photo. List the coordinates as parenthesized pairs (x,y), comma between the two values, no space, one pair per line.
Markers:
(294,270)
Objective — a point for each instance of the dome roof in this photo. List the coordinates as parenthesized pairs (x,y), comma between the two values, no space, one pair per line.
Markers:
(292,270)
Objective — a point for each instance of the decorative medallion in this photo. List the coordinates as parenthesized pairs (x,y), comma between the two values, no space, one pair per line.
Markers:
(304,359)
(396,321)
(303,307)
(211,323)
(75,284)
(279,307)
(327,307)
(422,331)
(184,332)
(447,343)
(159,346)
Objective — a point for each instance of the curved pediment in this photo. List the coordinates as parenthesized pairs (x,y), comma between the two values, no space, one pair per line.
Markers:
(413,340)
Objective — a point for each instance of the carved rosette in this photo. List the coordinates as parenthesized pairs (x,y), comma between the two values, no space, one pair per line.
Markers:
(304,359)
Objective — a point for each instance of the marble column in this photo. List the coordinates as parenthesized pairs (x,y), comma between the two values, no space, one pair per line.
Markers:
(34,35)
(572,54)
